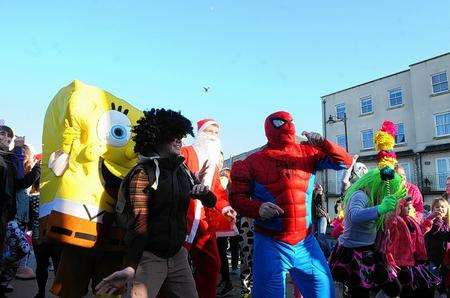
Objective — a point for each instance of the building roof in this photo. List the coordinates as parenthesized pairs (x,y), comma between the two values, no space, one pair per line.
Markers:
(426,60)
(436,57)
(362,84)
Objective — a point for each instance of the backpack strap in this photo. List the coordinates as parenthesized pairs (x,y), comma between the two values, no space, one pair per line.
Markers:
(151,167)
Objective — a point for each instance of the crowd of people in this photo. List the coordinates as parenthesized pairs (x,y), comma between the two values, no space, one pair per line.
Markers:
(182,212)
(19,232)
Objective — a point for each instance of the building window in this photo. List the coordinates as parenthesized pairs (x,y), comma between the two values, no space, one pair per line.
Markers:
(400,138)
(366,105)
(340,111)
(407,167)
(339,177)
(442,172)
(340,140)
(439,82)
(395,97)
(442,124)
(367,139)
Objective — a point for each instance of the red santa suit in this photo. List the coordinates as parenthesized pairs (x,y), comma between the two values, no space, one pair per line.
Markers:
(204,224)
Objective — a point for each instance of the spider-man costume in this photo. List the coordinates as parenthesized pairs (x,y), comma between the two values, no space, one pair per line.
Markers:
(283,173)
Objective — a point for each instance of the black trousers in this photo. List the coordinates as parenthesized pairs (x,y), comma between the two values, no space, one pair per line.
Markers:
(222,245)
(234,248)
(43,252)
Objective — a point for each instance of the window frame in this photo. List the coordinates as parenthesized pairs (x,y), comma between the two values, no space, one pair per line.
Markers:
(339,178)
(436,125)
(447,159)
(361,105)
(362,140)
(337,140)
(432,85)
(407,166)
(401,97)
(404,133)
(336,109)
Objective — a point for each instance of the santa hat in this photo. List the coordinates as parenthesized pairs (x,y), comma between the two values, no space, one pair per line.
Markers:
(204,123)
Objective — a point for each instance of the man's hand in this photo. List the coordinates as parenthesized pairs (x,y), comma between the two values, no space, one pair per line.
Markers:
(199,190)
(115,281)
(314,138)
(269,210)
(230,214)
(354,159)
(202,173)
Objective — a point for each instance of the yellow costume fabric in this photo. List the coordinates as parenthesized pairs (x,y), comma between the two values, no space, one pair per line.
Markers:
(87,150)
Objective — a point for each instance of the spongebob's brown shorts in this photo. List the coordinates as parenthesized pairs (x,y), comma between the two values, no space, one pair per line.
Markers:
(80,266)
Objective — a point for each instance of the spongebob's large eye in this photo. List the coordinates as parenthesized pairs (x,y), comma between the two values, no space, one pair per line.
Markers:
(114,128)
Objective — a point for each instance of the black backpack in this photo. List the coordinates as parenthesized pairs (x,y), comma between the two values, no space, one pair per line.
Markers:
(124,212)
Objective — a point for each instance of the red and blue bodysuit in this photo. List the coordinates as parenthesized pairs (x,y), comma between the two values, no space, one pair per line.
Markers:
(283,173)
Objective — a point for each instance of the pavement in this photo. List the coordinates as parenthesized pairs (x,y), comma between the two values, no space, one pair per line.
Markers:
(28,288)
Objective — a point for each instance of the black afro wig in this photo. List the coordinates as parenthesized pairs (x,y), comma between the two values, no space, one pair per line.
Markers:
(159,126)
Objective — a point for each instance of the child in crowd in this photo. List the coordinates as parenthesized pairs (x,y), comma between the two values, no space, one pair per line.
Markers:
(437,233)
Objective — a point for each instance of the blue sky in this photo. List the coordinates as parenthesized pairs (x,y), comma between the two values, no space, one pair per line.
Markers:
(256,56)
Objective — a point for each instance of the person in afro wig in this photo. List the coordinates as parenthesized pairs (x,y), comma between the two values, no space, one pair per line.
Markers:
(157,128)
(157,192)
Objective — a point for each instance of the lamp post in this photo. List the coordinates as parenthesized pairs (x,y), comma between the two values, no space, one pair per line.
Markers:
(334,119)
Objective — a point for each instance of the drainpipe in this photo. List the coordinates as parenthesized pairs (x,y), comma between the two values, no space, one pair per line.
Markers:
(324,128)
(419,171)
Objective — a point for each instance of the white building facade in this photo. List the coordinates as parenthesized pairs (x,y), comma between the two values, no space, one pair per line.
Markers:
(418,101)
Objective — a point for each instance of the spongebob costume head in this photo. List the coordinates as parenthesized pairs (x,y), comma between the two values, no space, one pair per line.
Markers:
(87,151)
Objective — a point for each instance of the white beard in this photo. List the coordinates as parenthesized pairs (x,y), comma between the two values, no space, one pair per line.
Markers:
(208,148)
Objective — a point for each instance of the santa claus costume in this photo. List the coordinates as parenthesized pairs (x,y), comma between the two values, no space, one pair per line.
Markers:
(204,224)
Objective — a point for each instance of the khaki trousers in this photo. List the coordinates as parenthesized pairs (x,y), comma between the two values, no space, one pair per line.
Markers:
(169,277)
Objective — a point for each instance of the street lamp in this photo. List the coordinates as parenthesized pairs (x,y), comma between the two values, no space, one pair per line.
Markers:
(334,119)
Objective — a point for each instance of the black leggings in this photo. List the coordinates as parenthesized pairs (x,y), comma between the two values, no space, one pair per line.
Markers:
(43,252)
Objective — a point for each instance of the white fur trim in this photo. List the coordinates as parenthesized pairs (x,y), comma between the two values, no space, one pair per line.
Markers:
(206,124)
(226,209)
(195,223)
(230,233)
(71,208)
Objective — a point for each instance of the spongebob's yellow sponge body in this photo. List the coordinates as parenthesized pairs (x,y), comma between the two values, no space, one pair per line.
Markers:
(87,150)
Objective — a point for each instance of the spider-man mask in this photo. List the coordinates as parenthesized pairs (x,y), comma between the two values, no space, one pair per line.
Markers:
(280,129)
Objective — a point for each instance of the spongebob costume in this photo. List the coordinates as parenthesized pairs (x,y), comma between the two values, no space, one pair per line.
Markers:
(87,151)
